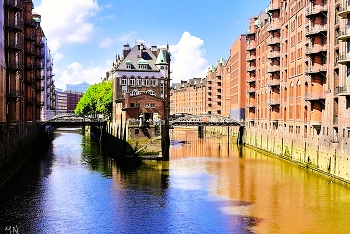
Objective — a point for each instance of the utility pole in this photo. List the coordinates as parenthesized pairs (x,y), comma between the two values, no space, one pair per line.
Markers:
(165,126)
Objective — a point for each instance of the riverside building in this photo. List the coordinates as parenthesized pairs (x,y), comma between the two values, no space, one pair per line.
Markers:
(298,101)
(140,86)
(297,85)
(25,83)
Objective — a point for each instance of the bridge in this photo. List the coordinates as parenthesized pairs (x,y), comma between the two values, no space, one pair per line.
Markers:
(71,119)
(205,120)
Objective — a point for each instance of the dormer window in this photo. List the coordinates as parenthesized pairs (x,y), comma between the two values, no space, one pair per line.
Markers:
(142,64)
(128,64)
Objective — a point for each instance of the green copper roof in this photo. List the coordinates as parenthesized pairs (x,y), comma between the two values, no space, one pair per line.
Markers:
(161,59)
(128,61)
(142,61)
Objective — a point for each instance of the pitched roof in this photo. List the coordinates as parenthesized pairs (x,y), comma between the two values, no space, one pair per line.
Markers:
(138,55)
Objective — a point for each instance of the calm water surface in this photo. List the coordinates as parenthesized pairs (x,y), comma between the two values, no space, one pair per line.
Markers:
(209,186)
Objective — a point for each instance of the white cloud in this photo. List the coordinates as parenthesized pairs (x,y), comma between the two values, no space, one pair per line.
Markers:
(57,57)
(76,73)
(105,43)
(67,21)
(188,58)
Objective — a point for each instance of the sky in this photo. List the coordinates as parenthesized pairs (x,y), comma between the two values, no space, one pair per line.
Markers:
(84,36)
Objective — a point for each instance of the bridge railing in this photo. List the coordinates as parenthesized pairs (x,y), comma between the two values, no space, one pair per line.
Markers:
(50,114)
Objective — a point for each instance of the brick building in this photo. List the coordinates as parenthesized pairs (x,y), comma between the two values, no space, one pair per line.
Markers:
(188,97)
(297,85)
(26,83)
(222,92)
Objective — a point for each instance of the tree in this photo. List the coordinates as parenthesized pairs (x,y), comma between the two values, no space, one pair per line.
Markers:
(97,100)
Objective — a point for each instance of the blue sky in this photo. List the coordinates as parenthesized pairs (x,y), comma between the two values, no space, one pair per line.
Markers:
(85,35)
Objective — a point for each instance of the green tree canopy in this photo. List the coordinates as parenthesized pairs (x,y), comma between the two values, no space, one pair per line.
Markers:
(97,100)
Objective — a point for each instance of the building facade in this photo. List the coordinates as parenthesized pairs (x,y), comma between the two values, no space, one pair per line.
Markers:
(22,85)
(222,92)
(297,85)
(140,71)
(47,88)
(188,97)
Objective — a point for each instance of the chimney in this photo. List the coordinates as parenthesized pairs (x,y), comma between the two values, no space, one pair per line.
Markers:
(126,50)
(154,50)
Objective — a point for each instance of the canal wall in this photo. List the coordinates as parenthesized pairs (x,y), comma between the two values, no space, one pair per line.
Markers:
(306,152)
(145,140)
(115,146)
(18,142)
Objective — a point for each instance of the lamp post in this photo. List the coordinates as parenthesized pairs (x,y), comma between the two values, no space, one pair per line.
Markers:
(165,124)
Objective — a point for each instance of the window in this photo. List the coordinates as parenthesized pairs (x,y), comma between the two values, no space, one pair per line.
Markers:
(151,92)
(123,81)
(132,81)
(139,81)
(153,82)
(146,81)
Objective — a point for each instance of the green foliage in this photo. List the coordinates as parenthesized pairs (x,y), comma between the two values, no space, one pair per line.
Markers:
(97,100)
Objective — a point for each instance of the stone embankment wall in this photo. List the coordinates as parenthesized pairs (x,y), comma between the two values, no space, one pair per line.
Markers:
(306,152)
(18,143)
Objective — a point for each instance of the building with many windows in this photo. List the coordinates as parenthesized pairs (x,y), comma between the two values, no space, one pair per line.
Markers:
(140,71)
(23,82)
(188,97)
(297,85)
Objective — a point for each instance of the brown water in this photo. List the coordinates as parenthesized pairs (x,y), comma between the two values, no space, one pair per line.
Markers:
(209,186)
(278,196)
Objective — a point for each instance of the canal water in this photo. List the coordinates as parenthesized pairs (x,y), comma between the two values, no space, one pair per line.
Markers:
(209,186)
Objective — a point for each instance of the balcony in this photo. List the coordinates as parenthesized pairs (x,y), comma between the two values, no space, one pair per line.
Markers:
(251,90)
(344,34)
(15,65)
(251,79)
(14,4)
(251,58)
(274,54)
(15,93)
(30,36)
(344,58)
(31,51)
(312,10)
(14,45)
(316,69)
(14,24)
(250,105)
(249,32)
(315,96)
(273,69)
(251,45)
(251,69)
(30,22)
(316,29)
(343,91)
(275,26)
(273,41)
(273,102)
(273,82)
(316,49)
(344,11)
(274,7)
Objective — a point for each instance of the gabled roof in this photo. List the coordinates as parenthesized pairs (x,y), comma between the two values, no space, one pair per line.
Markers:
(138,55)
